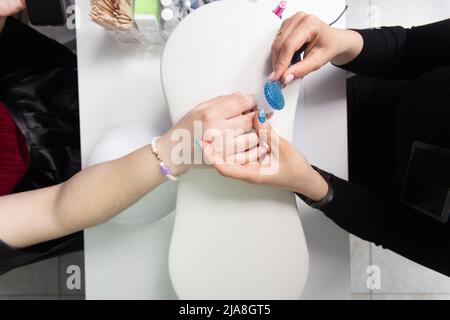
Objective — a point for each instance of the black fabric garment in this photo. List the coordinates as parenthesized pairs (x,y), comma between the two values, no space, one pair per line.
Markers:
(38,85)
(400,95)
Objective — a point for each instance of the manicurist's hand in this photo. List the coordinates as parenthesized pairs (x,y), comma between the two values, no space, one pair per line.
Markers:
(275,162)
(224,122)
(323,44)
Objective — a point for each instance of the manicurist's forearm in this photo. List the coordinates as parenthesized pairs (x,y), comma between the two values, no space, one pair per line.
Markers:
(313,186)
(350,44)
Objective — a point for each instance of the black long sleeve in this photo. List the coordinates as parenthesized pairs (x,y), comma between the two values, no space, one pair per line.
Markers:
(400,95)
(399,53)
(386,222)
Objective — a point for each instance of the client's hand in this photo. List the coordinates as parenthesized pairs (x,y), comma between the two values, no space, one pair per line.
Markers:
(323,44)
(225,122)
(279,164)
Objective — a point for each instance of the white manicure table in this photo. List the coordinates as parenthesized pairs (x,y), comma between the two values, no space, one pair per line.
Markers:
(118,84)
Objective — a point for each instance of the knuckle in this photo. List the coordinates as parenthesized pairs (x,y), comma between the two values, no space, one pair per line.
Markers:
(279,65)
(275,46)
(299,15)
(207,116)
(287,45)
(222,98)
(312,19)
(241,100)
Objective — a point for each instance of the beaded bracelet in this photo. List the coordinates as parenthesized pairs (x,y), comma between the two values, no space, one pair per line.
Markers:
(164,168)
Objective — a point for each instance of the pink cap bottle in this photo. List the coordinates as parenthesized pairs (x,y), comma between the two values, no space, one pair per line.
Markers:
(280,8)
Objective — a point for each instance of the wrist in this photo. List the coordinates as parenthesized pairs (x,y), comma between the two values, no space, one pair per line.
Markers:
(165,146)
(350,44)
(312,186)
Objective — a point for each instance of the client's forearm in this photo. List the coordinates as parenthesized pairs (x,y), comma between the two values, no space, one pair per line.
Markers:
(350,44)
(98,193)
(92,196)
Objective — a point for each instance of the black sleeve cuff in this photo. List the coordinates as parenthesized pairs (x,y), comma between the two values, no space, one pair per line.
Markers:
(328,197)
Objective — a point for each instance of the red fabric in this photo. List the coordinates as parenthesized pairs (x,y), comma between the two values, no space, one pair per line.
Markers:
(14,157)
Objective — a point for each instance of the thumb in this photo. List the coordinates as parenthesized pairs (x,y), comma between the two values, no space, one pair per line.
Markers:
(310,63)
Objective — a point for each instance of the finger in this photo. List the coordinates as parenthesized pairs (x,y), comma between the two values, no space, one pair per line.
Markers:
(244,104)
(285,31)
(282,33)
(230,107)
(312,62)
(241,124)
(230,144)
(247,157)
(250,172)
(288,49)
(210,155)
(309,47)
(243,143)
(291,40)
(215,101)
(264,131)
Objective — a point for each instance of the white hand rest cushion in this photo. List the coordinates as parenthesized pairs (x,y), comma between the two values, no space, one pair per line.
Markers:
(231,240)
(118,142)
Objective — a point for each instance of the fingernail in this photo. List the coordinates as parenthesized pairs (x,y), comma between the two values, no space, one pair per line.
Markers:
(261,115)
(270,77)
(289,79)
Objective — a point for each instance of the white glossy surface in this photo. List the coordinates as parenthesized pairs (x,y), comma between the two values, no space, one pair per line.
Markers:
(120,141)
(119,84)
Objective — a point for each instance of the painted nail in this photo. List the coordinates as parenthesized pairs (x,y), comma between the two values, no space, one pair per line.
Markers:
(261,115)
(289,79)
(270,77)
